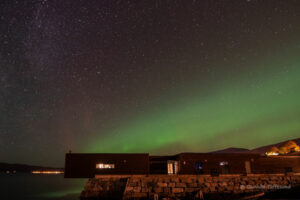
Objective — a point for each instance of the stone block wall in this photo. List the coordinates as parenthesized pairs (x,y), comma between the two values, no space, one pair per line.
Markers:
(137,187)
(107,187)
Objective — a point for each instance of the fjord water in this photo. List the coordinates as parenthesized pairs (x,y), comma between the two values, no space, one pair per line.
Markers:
(39,187)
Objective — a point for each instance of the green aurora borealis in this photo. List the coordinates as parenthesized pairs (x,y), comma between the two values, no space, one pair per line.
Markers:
(248,111)
(159,77)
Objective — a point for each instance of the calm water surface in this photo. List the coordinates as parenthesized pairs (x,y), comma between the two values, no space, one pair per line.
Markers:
(39,187)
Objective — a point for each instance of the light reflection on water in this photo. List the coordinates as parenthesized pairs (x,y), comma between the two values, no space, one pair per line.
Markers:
(39,187)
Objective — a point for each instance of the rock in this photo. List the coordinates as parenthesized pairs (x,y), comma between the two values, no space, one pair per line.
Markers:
(192,185)
(180,185)
(157,189)
(171,184)
(162,184)
(189,190)
(177,190)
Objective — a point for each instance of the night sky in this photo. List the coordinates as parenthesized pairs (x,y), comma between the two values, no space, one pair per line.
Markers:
(146,76)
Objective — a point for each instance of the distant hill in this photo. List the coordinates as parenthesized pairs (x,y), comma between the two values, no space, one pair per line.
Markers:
(25,168)
(232,150)
(260,150)
(264,149)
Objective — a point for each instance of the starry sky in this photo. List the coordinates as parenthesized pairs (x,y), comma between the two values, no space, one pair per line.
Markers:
(155,76)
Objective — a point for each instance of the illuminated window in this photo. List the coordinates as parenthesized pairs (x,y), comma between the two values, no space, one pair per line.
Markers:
(105,166)
(172,167)
(272,153)
(223,163)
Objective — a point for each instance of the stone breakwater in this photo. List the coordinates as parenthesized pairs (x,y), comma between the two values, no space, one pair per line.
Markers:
(181,186)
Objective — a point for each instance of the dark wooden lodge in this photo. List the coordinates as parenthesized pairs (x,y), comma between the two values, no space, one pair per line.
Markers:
(90,165)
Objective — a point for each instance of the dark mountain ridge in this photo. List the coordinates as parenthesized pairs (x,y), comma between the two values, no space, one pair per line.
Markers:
(232,150)
(25,168)
(260,150)
(263,149)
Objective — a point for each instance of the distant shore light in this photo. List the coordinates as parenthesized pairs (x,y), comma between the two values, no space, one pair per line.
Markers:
(47,172)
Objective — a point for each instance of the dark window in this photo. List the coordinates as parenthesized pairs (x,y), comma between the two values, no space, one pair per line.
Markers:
(214,172)
(288,169)
(198,165)
(224,167)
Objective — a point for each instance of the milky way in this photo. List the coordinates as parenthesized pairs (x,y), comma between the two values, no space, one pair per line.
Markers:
(153,76)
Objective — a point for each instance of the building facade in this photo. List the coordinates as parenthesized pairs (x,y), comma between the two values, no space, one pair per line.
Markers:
(90,165)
